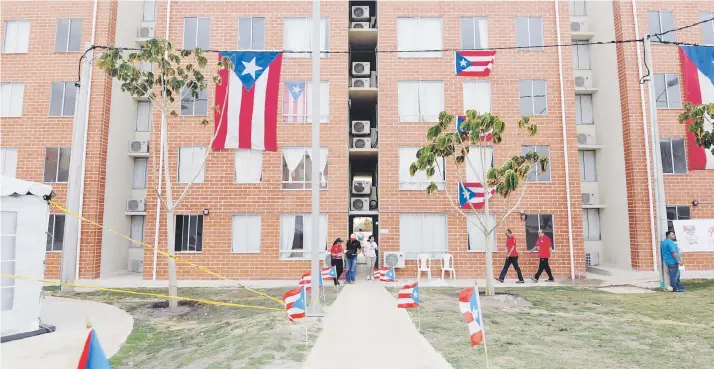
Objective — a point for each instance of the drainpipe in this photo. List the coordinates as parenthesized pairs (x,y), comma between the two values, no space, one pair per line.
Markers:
(565,143)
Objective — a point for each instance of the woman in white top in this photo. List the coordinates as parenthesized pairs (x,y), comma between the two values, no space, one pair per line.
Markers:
(370,254)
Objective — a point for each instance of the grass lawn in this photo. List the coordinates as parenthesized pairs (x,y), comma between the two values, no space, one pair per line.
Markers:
(578,328)
(207,336)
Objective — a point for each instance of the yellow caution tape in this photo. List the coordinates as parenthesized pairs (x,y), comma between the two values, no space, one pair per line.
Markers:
(157,295)
(172,256)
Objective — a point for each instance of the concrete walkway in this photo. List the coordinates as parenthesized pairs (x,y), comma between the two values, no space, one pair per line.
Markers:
(62,348)
(365,329)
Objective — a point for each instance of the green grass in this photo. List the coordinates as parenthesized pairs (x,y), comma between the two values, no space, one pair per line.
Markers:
(579,328)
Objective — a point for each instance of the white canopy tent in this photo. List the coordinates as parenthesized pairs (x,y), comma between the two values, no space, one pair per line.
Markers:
(25,214)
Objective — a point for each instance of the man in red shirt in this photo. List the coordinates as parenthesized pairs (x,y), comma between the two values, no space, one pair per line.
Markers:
(543,247)
(511,258)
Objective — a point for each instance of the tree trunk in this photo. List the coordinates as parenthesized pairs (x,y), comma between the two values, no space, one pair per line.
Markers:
(488,247)
(170,218)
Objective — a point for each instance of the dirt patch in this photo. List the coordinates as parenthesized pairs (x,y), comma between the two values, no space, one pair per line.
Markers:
(504,301)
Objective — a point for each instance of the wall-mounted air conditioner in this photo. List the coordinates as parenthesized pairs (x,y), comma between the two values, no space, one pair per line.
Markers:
(360,25)
(361,127)
(360,82)
(360,13)
(583,80)
(138,147)
(588,198)
(362,184)
(579,25)
(361,142)
(586,139)
(359,203)
(146,30)
(135,205)
(592,258)
(360,69)
(394,259)
(373,205)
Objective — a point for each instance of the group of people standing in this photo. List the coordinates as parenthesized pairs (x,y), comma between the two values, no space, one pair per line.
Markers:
(345,259)
(543,247)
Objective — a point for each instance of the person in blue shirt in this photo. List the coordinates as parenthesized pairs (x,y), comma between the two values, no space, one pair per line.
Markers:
(671,257)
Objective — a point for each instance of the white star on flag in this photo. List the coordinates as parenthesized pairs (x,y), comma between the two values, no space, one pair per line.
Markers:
(296,89)
(251,68)
(463,62)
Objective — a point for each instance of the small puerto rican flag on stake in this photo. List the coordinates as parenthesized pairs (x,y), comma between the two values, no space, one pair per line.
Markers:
(93,356)
(379,273)
(306,280)
(388,276)
(408,297)
(475,63)
(295,303)
(470,306)
(329,273)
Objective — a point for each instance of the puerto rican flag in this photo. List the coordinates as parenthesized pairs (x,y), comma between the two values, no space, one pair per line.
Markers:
(388,275)
(306,280)
(247,99)
(329,273)
(698,71)
(470,307)
(474,63)
(380,272)
(462,118)
(93,356)
(472,193)
(295,303)
(297,102)
(408,297)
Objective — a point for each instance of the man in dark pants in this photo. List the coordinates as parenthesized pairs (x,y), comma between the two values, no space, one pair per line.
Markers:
(671,257)
(543,246)
(511,258)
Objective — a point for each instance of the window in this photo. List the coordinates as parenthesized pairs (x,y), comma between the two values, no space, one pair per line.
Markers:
(660,22)
(577,8)
(55,233)
(190,165)
(477,237)
(189,233)
(194,107)
(477,96)
(8,161)
(62,98)
(149,11)
(407,155)
(196,33)
(248,166)
(68,37)
(535,223)
(533,97)
(420,101)
(415,34)
(676,213)
(480,160)
(474,33)
(296,235)
(17,36)
(423,234)
(56,164)
(297,102)
(11,99)
(246,234)
(143,116)
(674,159)
(529,33)
(584,109)
(707,28)
(297,36)
(581,55)
(8,235)
(140,173)
(667,91)
(251,33)
(536,175)
(297,168)
(136,232)
(591,224)
(588,166)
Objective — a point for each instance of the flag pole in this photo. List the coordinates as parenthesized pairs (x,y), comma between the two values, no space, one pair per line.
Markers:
(419,317)
(483,326)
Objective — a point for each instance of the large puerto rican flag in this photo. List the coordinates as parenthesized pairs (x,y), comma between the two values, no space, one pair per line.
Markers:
(472,194)
(474,63)
(698,70)
(247,99)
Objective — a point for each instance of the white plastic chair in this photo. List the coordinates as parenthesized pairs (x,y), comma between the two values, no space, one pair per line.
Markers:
(447,265)
(424,265)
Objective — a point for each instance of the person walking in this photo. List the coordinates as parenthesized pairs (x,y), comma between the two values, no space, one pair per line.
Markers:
(353,248)
(511,258)
(370,253)
(543,247)
(337,252)
(671,257)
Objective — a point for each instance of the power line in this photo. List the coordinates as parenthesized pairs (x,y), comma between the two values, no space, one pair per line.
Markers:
(683,27)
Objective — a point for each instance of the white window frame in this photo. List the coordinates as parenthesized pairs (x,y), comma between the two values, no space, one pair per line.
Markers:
(188,229)
(530,45)
(51,235)
(305,253)
(535,170)
(470,104)
(413,50)
(422,116)
(707,28)
(306,53)
(533,96)
(254,157)
(148,5)
(64,95)
(584,157)
(475,158)
(670,37)
(194,166)
(475,22)
(579,110)
(245,233)
(434,253)
(306,185)
(66,47)
(592,228)
(9,258)
(195,36)
(581,55)
(658,94)
(578,8)
(13,46)
(8,161)
(306,117)
(139,179)
(139,117)
(11,101)
(186,95)
(132,230)
(473,245)
(413,183)
(67,152)
(252,41)
(671,142)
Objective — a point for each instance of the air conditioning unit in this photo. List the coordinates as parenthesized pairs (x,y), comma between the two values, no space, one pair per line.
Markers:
(360,69)
(361,142)
(588,198)
(579,25)
(586,139)
(360,25)
(360,13)
(136,266)
(373,205)
(135,205)
(360,82)
(146,30)
(359,203)
(362,184)
(138,147)
(592,258)
(361,127)
(583,80)
(394,259)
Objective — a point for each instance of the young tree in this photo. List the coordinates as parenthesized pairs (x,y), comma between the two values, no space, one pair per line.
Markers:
(174,76)
(701,124)
(480,132)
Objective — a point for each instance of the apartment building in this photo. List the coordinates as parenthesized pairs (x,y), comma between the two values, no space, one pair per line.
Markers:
(248,214)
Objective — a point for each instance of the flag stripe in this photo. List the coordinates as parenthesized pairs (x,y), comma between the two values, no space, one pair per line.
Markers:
(257,132)
(220,117)
(697,157)
(271,105)
(245,121)
(235,96)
